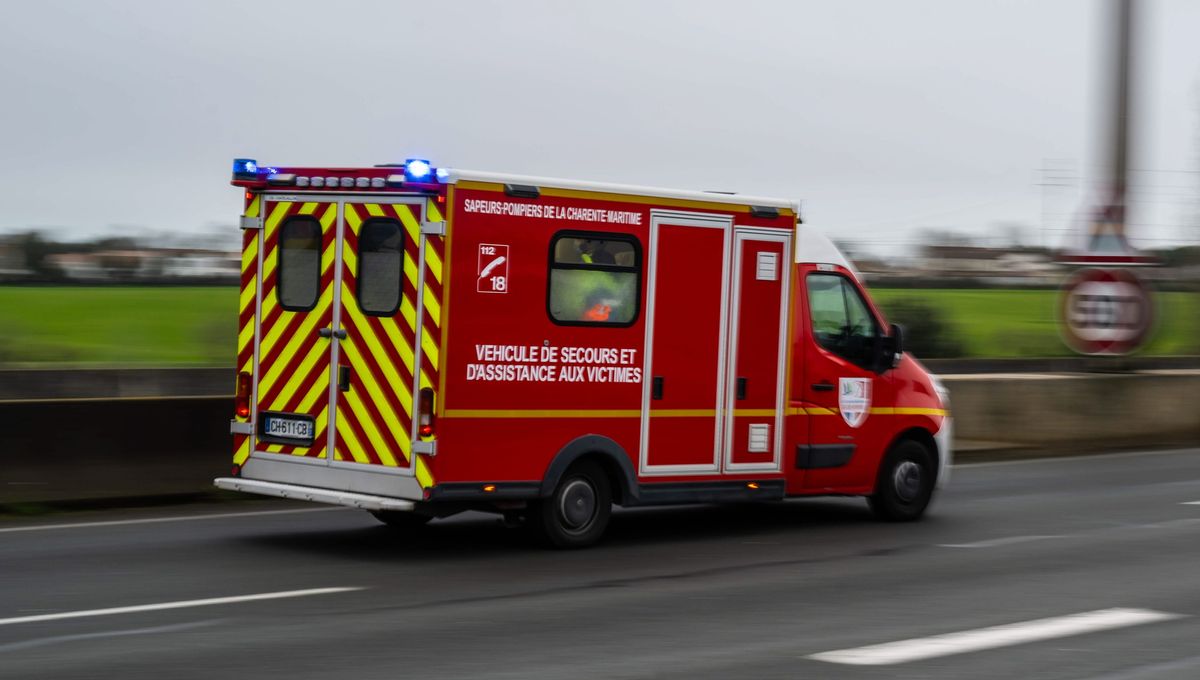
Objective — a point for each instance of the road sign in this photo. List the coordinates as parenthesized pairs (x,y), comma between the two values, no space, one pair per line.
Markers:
(1105,311)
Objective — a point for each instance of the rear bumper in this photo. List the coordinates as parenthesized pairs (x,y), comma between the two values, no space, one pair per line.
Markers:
(316,495)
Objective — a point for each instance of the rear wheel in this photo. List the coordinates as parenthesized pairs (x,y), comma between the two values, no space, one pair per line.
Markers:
(577,513)
(400,519)
(905,484)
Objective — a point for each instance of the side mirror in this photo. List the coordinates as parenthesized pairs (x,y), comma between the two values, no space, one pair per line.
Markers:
(891,348)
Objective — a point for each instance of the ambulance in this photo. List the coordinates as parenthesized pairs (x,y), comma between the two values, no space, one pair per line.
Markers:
(418,341)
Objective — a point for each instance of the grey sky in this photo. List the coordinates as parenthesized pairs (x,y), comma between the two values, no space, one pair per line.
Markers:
(882,117)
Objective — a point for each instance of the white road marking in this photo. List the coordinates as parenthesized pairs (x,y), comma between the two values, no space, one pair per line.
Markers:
(182,604)
(990,638)
(1191,503)
(996,542)
(155,520)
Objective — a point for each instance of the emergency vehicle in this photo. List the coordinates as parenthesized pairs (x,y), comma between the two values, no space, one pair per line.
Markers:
(419,341)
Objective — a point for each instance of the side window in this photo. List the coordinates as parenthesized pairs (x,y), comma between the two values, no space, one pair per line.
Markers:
(841,321)
(594,279)
(380,266)
(299,263)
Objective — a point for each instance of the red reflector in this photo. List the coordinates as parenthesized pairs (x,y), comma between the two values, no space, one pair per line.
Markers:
(237,471)
(242,399)
(425,422)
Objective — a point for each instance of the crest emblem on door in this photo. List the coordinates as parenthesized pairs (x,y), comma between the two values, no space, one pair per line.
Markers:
(854,400)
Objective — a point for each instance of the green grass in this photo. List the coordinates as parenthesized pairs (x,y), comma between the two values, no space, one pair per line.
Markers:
(1023,323)
(197,326)
(127,326)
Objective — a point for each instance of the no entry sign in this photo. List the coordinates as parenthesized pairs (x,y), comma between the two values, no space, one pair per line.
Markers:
(1105,311)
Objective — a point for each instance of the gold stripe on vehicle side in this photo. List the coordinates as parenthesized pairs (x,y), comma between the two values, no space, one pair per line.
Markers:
(545,413)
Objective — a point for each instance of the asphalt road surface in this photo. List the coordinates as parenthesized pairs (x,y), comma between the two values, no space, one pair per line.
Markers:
(1070,568)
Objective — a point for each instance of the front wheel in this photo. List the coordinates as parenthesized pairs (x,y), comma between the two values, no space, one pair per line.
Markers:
(577,513)
(905,484)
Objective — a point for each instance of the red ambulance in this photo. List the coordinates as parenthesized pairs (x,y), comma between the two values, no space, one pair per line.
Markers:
(418,341)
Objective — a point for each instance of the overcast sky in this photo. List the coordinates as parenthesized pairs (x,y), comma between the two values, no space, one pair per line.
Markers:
(883,118)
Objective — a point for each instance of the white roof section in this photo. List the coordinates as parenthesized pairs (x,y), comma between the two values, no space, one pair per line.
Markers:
(455,175)
(814,247)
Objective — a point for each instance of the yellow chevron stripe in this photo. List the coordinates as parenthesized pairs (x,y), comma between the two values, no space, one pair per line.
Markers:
(433,261)
(433,308)
(409,221)
(376,396)
(243,452)
(319,388)
(423,474)
(352,219)
(398,341)
(373,435)
(432,211)
(429,350)
(409,313)
(269,227)
(373,348)
(351,441)
(374,210)
(306,329)
(298,376)
(250,255)
(308,208)
(410,269)
(375,391)
(351,261)
(255,203)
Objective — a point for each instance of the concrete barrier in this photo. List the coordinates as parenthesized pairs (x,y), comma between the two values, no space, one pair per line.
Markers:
(94,449)
(1076,410)
(105,448)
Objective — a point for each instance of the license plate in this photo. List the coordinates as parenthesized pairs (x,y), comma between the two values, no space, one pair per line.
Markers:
(294,429)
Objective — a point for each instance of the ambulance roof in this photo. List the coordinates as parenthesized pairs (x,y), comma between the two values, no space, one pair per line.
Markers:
(455,175)
(814,247)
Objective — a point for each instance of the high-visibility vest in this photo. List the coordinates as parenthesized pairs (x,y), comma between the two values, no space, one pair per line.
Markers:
(598,312)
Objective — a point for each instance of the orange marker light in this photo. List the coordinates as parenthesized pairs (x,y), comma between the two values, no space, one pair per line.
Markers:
(488,488)
(752,485)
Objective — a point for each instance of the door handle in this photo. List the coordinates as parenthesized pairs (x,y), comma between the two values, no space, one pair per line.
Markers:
(340,333)
(656,387)
(344,378)
(822,387)
(741,389)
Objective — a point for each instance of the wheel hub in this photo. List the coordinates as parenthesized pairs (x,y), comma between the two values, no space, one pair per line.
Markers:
(577,506)
(907,481)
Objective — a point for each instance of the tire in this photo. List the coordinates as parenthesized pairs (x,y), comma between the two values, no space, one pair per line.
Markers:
(402,520)
(577,513)
(905,483)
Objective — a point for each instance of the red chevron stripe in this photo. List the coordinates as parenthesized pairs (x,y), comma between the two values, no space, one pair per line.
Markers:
(319,373)
(294,322)
(376,374)
(351,421)
(293,362)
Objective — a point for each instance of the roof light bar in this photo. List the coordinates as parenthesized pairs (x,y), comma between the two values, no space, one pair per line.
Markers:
(417,170)
(245,168)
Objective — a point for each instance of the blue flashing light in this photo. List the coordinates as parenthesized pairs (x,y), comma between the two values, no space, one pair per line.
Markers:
(417,170)
(245,168)
(443,175)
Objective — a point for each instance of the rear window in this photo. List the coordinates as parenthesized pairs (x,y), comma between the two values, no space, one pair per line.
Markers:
(299,264)
(380,266)
(595,279)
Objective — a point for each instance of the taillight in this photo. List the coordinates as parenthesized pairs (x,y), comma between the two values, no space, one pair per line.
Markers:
(425,424)
(242,400)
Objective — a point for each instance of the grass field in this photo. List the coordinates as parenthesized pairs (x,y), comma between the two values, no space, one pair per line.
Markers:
(196,326)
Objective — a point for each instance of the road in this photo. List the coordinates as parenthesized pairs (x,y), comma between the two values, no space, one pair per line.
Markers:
(1106,548)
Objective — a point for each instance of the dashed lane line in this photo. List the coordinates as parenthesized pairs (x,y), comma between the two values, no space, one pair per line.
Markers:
(181,604)
(157,520)
(980,639)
